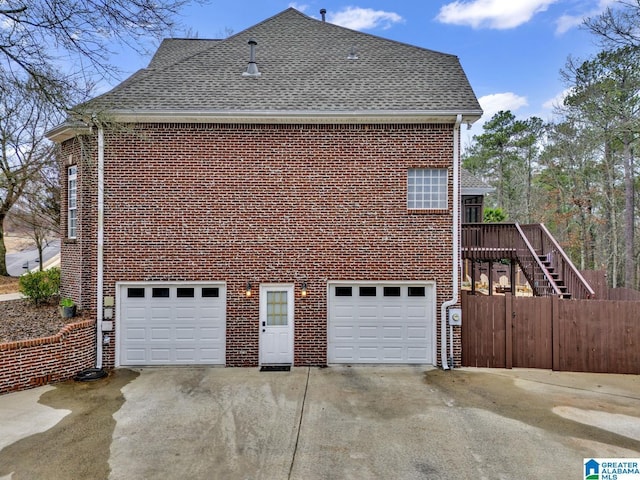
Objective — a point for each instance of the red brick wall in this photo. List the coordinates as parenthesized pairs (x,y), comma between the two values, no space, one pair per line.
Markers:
(78,256)
(32,363)
(268,203)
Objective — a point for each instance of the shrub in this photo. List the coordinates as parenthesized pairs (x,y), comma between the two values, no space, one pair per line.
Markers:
(40,286)
(494,215)
(67,302)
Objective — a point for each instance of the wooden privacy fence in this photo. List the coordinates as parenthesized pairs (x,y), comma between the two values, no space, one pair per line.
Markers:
(601,336)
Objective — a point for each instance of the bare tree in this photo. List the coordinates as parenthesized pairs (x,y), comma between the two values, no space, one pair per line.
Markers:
(37,213)
(24,152)
(617,26)
(41,38)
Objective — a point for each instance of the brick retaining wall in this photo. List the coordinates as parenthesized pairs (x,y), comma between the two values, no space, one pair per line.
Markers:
(33,363)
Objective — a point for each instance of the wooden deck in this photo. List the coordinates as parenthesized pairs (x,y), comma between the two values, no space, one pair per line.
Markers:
(545,265)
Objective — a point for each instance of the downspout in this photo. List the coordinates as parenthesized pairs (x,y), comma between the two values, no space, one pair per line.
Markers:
(455,248)
(95,373)
(100,253)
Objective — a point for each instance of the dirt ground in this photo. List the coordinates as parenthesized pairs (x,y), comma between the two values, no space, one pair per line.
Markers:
(9,285)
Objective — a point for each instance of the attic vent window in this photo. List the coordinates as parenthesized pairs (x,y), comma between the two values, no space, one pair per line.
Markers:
(252,67)
(353,55)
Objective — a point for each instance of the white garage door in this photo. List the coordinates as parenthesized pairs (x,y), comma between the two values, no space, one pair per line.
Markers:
(381,323)
(171,324)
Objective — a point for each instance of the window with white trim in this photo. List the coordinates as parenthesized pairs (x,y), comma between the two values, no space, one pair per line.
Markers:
(427,188)
(72,201)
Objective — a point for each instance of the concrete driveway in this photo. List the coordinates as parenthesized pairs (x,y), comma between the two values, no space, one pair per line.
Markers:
(312,423)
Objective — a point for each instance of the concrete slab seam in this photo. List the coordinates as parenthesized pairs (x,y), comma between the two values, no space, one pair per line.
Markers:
(295,448)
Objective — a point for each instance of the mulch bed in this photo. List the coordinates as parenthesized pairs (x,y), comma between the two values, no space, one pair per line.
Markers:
(21,320)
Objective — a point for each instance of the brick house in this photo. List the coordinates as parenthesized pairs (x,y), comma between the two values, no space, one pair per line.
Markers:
(288,195)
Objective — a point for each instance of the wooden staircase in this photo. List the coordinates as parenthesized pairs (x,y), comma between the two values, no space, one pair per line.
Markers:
(555,276)
(543,262)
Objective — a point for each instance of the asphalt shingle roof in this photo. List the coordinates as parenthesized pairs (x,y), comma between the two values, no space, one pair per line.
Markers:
(304,67)
(471,183)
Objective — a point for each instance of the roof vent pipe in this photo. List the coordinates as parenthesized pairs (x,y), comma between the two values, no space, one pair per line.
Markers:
(252,67)
(323,12)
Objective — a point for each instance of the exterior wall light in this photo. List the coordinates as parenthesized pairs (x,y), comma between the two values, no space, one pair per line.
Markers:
(247,291)
(303,290)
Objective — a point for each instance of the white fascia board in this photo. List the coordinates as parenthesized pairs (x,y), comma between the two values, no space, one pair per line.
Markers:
(66,131)
(69,130)
(295,117)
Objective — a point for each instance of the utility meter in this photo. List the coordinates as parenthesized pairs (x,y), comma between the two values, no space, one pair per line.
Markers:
(455,316)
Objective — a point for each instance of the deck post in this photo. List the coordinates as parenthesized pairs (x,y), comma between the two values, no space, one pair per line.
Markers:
(490,275)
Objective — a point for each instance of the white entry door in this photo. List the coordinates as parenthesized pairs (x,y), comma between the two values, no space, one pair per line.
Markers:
(276,324)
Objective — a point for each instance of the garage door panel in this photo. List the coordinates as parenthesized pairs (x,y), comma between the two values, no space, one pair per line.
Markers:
(135,313)
(393,333)
(210,333)
(185,333)
(417,333)
(210,313)
(416,353)
(392,312)
(343,352)
(185,354)
(187,314)
(160,334)
(159,314)
(392,328)
(368,353)
(368,311)
(367,332)
(392,354)
(343,332)
(211,355)
(160,354)
(343,311)
(135,333)
(416,311)
(136,354)
(175,328)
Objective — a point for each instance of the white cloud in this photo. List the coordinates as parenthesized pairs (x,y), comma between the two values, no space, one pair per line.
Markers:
(498,14)
(567,22)
(492,104)
(299,6)
(556,101)
(358,18)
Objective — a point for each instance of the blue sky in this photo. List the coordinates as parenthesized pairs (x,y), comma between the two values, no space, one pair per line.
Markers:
(511,50)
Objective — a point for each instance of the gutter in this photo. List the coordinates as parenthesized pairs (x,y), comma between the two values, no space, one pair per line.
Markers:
(69,129)
(455,249)
(208,115)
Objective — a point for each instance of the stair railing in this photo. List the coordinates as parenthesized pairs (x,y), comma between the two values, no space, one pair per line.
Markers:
(546,245)
(536,272)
